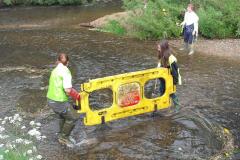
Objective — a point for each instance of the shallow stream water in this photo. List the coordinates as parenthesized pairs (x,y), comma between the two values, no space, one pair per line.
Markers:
(30,39)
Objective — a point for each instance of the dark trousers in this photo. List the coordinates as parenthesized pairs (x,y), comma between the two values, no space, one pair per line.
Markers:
(173,96)
(66,117)
(188,36)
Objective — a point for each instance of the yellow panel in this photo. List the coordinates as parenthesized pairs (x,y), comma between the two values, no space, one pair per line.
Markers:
(139,104)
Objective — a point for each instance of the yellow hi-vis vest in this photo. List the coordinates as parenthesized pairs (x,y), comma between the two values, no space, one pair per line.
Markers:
(56,91)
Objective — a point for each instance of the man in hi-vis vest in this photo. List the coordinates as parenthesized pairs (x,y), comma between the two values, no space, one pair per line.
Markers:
(60,87)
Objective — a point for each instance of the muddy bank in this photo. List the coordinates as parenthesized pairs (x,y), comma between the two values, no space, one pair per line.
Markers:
(99,23)
(228,48)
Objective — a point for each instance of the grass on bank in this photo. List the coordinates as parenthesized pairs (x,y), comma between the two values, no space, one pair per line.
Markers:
(12,155)
(161,18)
(115,27)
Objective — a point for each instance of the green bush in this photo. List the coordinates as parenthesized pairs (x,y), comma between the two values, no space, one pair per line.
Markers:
(158,20)
(7,2)
(212,28)
(115,27)
(130,5)
(217,18)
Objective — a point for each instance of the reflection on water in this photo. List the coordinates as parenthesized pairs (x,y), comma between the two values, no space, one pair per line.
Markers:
(101,99)
(209,95)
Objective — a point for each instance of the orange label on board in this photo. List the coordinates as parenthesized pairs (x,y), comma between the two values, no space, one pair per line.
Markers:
(129,95)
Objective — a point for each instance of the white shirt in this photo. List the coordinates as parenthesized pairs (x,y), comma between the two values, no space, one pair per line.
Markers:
(65,73)
(191,18)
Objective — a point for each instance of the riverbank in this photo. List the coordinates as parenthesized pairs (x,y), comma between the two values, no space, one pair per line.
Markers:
(228,48)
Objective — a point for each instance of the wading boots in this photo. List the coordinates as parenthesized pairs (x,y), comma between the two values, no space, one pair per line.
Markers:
(64,137)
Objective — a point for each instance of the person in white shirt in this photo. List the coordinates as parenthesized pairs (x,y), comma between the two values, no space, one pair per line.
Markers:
(190,28)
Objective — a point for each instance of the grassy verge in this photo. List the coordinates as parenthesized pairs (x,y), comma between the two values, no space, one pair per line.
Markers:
(115,27)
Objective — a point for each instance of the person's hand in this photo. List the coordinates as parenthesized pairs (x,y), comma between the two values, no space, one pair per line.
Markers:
(195,33)
(74,94)
(76,107)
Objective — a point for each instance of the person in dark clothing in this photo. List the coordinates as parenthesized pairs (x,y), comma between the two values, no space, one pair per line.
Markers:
(167,60)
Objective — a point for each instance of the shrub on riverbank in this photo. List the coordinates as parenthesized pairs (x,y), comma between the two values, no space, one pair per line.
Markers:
(114,26)
(161,18)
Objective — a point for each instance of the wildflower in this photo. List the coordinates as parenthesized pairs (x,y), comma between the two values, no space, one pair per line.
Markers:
(23,127)
(32,123)
(38,124)
(10,146)
(39,137)
(44,137)
(34,132)
(1,157)
(19,119)
(6,118)
(19,140)
(29,151)
(164,10)
(3,122)
(16,116)
(27,142)
(2,129)
(6,151)
(34,148)
(39,157)
(12,121)
(17,124)
(3,136)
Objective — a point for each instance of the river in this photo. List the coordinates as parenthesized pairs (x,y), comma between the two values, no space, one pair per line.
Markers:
(30,39)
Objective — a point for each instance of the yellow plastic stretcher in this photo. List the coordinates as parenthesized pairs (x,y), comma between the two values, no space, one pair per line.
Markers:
(128,95)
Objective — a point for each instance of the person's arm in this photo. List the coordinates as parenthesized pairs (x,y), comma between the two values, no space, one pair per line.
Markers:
(159,64)
(195,31)
(184,21)
(174,72)
(67,85)
(73,93)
